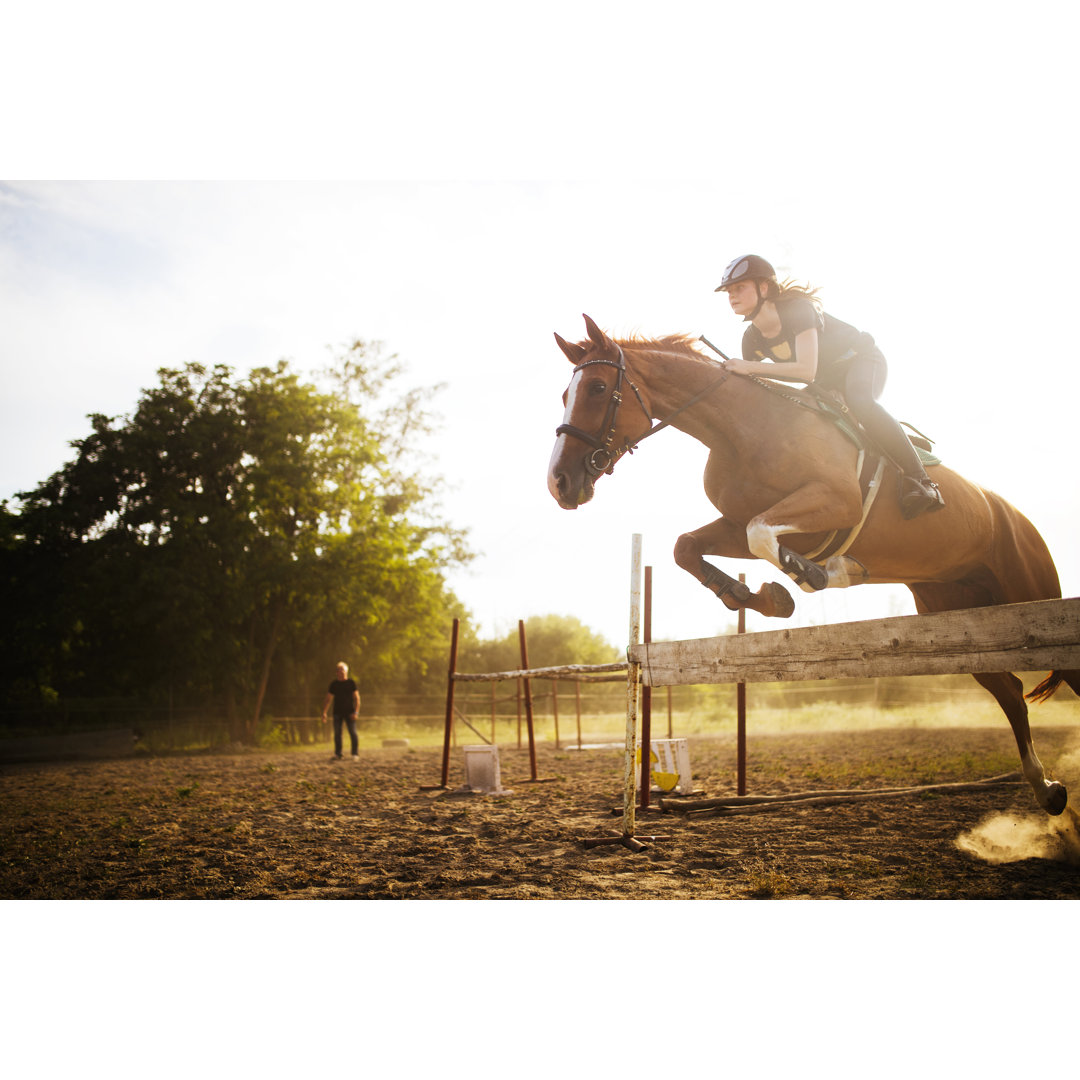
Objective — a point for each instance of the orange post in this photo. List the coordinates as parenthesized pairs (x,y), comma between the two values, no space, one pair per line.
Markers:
(740,712)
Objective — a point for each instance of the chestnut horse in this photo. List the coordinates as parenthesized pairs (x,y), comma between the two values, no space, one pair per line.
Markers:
(777,470)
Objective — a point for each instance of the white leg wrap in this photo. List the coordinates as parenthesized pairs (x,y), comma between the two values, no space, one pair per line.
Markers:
(843,572)
(1033,770)
(762,540)
(1049,794)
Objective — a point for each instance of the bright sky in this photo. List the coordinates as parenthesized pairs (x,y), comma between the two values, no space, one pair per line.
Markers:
(459,183)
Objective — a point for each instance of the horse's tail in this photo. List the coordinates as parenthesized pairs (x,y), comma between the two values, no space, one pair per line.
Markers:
(1046,688)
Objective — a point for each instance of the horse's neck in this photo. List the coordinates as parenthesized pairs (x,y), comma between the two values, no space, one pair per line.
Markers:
(671,379)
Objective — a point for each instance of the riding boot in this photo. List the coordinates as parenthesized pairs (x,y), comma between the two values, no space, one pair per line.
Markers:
(917,492)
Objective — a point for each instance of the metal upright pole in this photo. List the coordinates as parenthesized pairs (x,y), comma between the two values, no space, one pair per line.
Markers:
(646,701)
(633,680)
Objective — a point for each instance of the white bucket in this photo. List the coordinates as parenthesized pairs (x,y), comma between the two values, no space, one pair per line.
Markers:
(482,770)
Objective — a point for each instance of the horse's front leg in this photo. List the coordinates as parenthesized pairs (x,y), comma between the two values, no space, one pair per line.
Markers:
(726,539)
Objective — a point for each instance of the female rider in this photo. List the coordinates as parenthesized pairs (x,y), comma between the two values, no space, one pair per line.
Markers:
(788,326)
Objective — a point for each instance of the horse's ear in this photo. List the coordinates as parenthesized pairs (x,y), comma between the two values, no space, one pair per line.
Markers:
(574,353)
(596,335)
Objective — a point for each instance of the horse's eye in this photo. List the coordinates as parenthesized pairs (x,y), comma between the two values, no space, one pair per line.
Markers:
(597,388)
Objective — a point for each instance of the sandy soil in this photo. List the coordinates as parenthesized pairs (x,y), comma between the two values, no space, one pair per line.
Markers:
(253,825)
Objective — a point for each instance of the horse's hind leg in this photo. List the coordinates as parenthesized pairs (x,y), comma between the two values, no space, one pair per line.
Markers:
(728,540)
(1007,689)
(1009,692)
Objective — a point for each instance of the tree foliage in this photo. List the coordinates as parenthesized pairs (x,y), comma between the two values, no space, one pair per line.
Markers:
(551,641)
(233,536)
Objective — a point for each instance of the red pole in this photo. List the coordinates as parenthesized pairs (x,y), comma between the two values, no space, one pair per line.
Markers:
(449,705)
(740,708)
(646,699)
(528,697)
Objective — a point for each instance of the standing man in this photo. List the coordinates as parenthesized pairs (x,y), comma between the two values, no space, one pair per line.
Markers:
(346,698)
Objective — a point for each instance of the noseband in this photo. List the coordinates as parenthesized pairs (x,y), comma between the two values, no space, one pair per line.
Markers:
(603,457)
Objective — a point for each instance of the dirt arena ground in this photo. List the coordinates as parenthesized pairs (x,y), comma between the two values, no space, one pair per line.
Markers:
(260,825)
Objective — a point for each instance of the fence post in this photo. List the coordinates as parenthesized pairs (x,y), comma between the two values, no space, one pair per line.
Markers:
(528,697)
(449,704)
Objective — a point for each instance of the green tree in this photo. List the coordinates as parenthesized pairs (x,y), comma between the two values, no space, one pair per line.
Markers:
(552,640)
(228,521)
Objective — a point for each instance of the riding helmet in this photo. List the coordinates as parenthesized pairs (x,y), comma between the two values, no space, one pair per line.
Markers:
(744,267)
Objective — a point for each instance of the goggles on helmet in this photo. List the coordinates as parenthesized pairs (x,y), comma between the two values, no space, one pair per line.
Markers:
(744,267)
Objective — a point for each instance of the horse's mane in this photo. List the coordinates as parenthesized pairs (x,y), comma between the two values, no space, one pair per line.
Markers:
(687,346)
(680,343)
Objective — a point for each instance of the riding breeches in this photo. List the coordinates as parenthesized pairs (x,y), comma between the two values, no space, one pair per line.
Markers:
(863,383)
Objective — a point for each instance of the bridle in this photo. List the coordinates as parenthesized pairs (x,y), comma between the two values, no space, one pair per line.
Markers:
(603,457)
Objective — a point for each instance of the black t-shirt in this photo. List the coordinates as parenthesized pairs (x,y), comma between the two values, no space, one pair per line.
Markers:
(343,690)
(838,342)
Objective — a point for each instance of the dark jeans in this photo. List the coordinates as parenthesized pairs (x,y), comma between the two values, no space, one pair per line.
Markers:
(350,720)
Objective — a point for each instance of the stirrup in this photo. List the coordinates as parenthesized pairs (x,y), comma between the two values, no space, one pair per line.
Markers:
(921,496)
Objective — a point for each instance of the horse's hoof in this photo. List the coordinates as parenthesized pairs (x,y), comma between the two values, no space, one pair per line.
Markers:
(1056,798)
(778,602)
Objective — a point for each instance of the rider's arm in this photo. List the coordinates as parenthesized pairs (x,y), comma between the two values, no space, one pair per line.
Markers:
(802,369)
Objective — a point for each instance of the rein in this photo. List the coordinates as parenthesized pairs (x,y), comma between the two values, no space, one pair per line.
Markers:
(603,458)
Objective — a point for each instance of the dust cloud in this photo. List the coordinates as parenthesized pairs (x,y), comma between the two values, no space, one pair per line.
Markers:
(1006,838)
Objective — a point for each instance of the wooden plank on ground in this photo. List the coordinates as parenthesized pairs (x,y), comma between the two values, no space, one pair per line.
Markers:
(1038,636)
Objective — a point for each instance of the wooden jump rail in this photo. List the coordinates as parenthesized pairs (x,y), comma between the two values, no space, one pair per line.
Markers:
(584,672)
(1041,635)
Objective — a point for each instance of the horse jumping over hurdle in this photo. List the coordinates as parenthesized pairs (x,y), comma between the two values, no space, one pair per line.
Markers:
(779,467)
